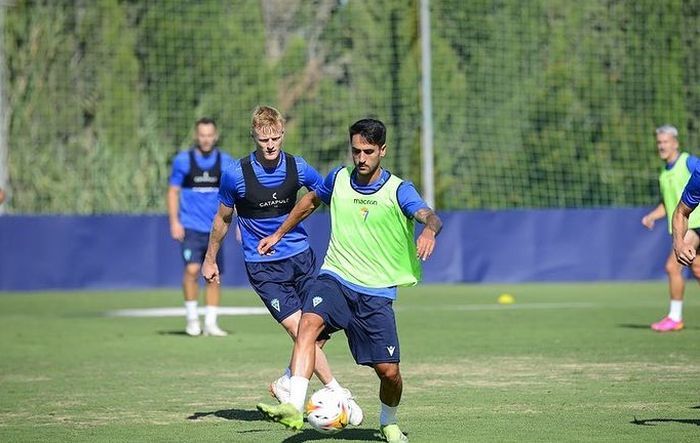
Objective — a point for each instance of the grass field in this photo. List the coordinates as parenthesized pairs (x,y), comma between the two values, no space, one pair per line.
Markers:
(565,363)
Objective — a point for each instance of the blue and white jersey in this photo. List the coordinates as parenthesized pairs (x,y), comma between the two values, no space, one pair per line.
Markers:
(198,204)
(253,230)
(409,200)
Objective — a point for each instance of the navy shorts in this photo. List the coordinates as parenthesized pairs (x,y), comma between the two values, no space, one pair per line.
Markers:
(284,284)
(194,248)
(368,320)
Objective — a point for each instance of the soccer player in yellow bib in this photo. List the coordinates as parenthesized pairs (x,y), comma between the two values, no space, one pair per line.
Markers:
(372,251)
(672,180)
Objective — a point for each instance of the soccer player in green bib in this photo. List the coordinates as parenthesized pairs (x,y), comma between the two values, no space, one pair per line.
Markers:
(672,180)
(372,251)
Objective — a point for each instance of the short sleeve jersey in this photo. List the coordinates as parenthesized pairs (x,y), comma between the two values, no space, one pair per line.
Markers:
(233,189)
(197,205)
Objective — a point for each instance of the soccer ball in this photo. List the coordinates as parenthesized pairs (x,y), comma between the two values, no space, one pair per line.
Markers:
(327,411)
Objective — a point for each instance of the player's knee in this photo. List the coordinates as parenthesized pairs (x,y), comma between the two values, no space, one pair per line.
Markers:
(189,277)
(191,272)
(673,267)
(388,372)
(310,326)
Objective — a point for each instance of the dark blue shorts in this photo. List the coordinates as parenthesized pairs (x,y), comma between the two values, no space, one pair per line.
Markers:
(194,248)
(283,284)
(368,320)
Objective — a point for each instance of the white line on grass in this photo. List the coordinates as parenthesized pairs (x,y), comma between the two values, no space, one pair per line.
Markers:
(179,312)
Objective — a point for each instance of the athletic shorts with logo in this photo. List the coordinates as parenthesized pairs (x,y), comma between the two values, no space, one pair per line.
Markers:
(283,285)
(368,320)
(194,248)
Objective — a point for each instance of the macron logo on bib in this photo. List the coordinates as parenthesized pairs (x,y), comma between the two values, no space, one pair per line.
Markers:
(364,201)
(316,301)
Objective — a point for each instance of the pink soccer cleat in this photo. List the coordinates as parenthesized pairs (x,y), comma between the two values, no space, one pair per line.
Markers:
(667,325)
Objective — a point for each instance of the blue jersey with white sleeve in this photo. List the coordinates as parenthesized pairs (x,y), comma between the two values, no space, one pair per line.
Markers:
(233,189)
(409,200)
(198,203)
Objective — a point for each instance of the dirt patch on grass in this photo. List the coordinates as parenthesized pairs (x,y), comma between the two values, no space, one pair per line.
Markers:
(533,371)
(22,378)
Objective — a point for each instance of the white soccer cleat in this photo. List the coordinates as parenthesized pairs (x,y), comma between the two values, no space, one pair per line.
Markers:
(280,389)
(356,414)
(214,331)
(193,328)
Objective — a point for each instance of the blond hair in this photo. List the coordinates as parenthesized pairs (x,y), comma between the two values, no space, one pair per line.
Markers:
(266,117)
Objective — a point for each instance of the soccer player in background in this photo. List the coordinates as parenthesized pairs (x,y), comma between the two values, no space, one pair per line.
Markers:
(192,202)
(672,180)
(262,187)
(372,251)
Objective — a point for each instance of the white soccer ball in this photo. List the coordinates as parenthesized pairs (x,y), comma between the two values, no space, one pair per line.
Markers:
(327,411)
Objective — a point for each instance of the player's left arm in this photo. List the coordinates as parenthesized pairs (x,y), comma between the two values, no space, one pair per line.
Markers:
(684,251)
(412,205)
(690,199)
(425,244)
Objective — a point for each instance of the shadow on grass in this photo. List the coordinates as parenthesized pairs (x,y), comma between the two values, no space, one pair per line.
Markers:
(347,434)
(655,421)
(230,414)
(302,436)
(177,332)
(645,326)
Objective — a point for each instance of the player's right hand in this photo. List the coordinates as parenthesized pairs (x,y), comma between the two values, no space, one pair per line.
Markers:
(685,253)
(210,272)
(177,231)
(266,244)
(648,222)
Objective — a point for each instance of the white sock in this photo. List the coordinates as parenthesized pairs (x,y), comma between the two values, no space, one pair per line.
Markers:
(387,416)
(297,391)
(210,313)
(191,310)
(333,384)
(676,311)
(287,373)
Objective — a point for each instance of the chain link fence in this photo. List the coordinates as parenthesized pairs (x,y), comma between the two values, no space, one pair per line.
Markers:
(545,103)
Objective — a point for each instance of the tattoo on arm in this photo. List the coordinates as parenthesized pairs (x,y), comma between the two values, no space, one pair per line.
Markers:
(429,219)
